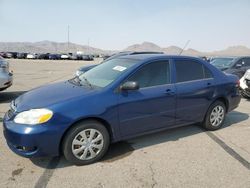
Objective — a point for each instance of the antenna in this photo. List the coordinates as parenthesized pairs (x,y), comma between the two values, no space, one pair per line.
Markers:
(184,47)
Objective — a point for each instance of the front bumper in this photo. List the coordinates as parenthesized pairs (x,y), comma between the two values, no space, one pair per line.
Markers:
(6,80)
(32,141)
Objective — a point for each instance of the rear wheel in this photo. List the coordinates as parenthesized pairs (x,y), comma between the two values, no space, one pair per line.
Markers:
(215,116)
(86,143)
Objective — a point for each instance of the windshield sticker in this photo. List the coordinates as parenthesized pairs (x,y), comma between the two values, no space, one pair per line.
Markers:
(119,68)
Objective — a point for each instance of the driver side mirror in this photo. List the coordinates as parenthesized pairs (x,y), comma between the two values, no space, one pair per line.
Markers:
(129,86)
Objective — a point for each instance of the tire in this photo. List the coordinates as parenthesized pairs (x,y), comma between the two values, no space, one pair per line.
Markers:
(88,137)
(215,116)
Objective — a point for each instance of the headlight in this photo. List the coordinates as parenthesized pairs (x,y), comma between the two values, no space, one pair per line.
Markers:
(34,116)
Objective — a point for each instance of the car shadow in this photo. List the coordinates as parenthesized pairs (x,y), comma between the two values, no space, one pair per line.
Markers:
(123,149)
(7,97)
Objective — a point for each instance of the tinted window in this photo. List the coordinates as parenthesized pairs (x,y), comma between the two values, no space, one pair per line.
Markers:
(153,74)
(221,63)
(246,61)
(207,73)
(187,70)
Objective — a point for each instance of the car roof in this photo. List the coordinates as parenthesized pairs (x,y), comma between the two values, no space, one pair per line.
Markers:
(155,56)
(225,57)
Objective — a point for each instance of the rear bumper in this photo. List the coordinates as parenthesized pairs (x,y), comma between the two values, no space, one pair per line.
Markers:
(234,102)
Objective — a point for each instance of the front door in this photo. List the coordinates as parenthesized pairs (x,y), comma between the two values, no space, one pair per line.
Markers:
(153,105)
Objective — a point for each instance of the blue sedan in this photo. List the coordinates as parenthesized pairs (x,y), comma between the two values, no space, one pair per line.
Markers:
(122,98)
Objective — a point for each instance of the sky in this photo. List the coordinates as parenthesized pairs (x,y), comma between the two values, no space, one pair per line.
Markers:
(115,24)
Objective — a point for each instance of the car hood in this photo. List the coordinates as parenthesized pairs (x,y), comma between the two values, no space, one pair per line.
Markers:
(45,96)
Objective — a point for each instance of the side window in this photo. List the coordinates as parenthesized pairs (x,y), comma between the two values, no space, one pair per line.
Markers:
(246,62)
(207,72)
(242,62)
(153,74)
(188,70)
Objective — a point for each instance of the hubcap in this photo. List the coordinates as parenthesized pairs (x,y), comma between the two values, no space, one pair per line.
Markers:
(87,144)
(217,116)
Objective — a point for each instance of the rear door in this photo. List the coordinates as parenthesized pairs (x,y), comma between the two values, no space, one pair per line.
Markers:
(152,106)
(195,87)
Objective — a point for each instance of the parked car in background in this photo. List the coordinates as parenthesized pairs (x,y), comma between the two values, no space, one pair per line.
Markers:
(88,67)
(245,84)
(122,98)
(31,56)
(74,57)
(43,56)
(6,55)
(232,65)
(21,55)
(6,76)
(14,54)
(54,56)
(87,57)
(65,56)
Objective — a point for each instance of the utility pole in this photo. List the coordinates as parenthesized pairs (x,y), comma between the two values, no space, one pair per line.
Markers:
(88,45)
(68,39)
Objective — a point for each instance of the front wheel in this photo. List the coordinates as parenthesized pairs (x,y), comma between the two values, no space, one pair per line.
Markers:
(215,116)
(86,143)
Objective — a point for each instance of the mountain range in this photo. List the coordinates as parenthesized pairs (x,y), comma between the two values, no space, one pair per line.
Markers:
(64,47)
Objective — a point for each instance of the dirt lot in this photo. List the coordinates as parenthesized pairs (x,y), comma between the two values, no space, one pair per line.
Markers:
(183,157)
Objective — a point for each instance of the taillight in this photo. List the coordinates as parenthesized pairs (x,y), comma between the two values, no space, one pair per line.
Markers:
(237,84)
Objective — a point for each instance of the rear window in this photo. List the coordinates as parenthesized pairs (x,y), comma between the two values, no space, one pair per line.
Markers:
(188,70)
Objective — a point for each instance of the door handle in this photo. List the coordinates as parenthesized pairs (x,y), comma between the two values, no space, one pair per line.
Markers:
(169,92)
(209,84)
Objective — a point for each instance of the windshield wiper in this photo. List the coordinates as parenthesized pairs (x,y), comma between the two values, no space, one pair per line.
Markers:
(86,80)
(75,81)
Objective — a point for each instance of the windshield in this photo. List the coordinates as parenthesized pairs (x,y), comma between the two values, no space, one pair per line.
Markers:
(222,62)
(105,73)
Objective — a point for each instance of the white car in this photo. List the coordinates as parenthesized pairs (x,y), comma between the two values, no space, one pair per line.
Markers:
(31,56)
(6,77)
(64,56)
(245,84)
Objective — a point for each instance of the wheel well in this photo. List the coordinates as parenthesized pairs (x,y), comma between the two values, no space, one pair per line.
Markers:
(102,121)
(224,100)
